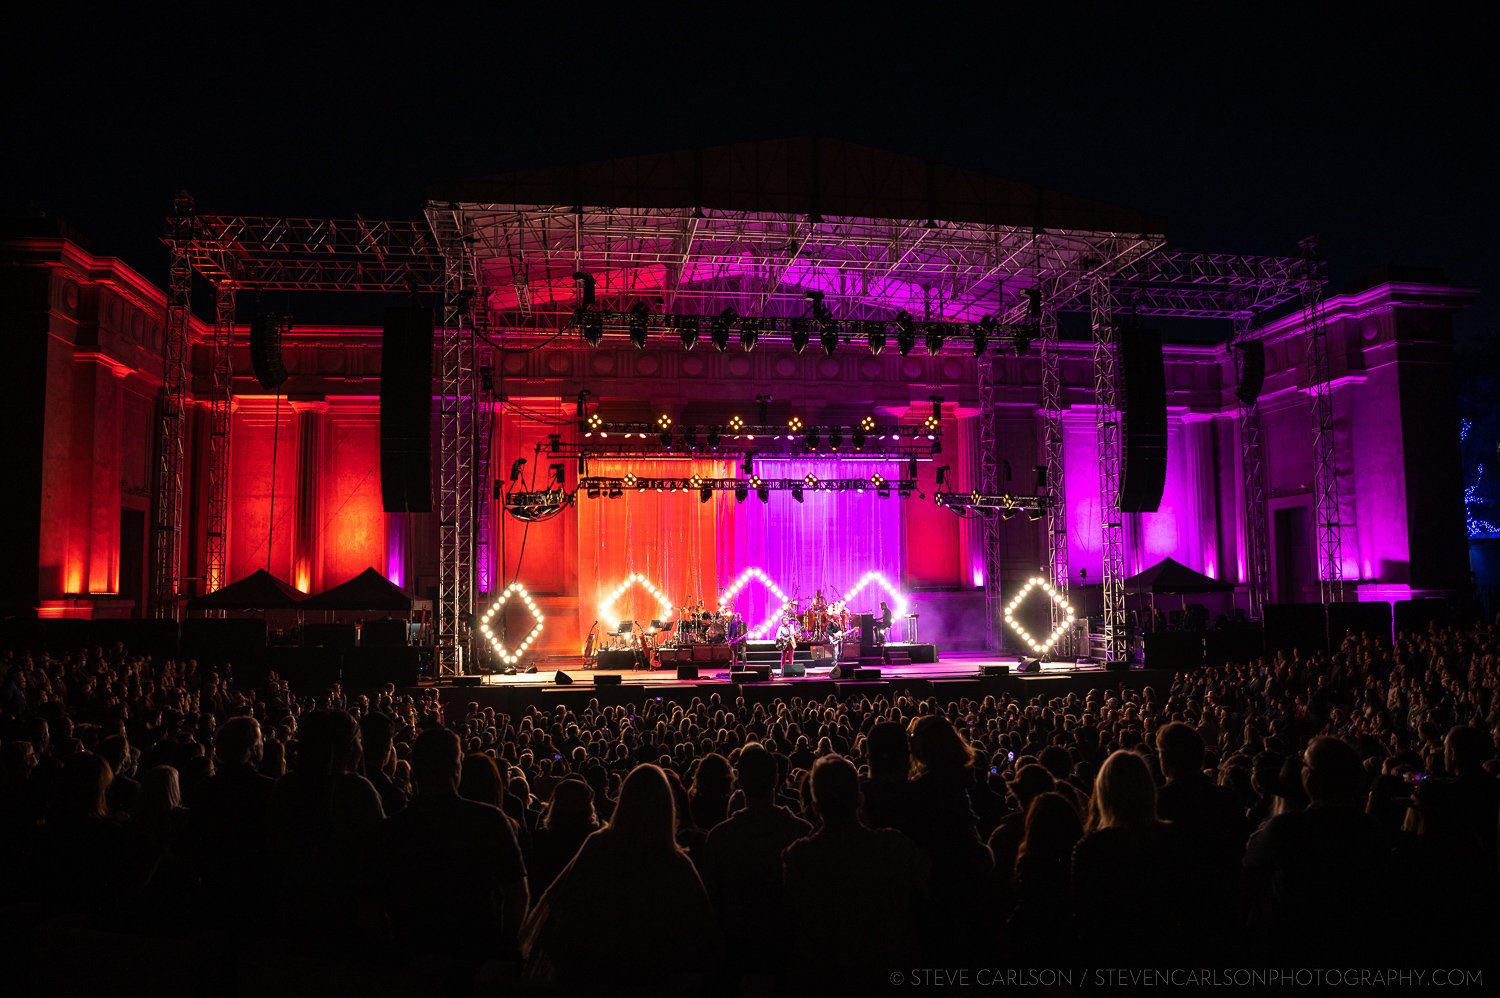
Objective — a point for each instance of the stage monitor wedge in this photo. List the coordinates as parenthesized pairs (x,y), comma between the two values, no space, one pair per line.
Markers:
(406,410)
(1143,421)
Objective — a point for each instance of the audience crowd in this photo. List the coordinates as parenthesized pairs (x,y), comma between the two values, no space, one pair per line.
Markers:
(1299,810)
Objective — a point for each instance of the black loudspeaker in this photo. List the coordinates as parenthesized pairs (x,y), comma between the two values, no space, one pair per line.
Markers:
(1143,421)
(607,679)
(406,411)
(468,680)
(751,674)
(1116,666)
(1252,370)
(562,678)
(794,669)
(265,351)
(838,671)
(1029,666)
(687,672)
(994,670)
(866,674)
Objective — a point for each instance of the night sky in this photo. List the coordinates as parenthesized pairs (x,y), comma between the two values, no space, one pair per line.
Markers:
(1371,128)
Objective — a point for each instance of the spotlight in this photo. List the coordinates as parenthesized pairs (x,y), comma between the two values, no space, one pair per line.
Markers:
(736,424)
(585,285)
(1033,515)
(515,468)
(942,475)
(593,326)
(664,421)
(749,333)
(615,493)
(687,332)
(835,438)
(911,467)
(937,409)
(830,340)
(906,332)
(740,493)
(593,492)
(666,439)
(794,424)
(982,333)
(1008,513)
(629,481)
(763,494)
(755,481)
(811,480)
(640,315)
(858,436)
(799,335)
(1023,339)
(713,437)
(904,492)
(877,479)
(797,493)
(875,331)
(748,466)
(811,441)
(705,494)
(718,329)
(934,338)
(695,481)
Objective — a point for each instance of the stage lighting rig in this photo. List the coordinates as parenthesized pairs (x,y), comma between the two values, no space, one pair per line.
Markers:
(640,316)
(906,332)
(763,494)
(594,422)
(593,326)
(797,493)
(811,440)
(835,438)
(934,338)
(630,480)
(748,466)
(800,335)
(875,333)
(882,488)
(983,331)
(749,333)
(687,331)
(794,424)
(712,438)
(718,329)
(810,480)
(705,494)
(741,493)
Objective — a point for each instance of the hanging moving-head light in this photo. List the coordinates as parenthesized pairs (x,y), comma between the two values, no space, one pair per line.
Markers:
(800,335)
(640,317)
(875,333)
(718,329)
(906,332)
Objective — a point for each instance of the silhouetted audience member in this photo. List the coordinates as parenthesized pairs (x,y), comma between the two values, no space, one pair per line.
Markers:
(452,877)
(567,822)
(1040,927)
(1130,888)
(636,855)
(851,890)
(1300,859)
(378,739)
(742,857)
(887,792)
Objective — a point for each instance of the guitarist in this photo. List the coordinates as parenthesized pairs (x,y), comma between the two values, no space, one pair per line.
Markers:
(786,641)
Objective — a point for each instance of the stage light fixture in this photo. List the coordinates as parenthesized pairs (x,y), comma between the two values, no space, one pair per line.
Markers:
(982,333)
(1008,513)
(718,329)
(906,332)
(1033,515)
(755,481)
(797,493)
(736,424)
(811,440)
(942,475)
(748,464)
(666,439)
(911,468)
(1045,645)
(616,494)
(630,481)
(749,333)
(763,494)
(663,421)
(705,494)
(835,438)
(830,341)
(592,492)
(934,338)
(687,332)
(593,326)
(794,424)
(811,480)
(741,493)
(1034,303)
(904,491)
(595,421)
(696,480)
(690,437)
(1023,339)
(858,436)
(584,284)
(640,316)
(508,656)
(875,332)
(713,437)
(800,335)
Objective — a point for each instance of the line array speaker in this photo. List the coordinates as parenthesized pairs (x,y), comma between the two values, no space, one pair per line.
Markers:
(406,411)
(1252,370)
(265,350)
(1143,421)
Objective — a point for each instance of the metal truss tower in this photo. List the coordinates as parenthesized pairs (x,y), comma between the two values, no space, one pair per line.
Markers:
(1252,482)
(989,484)
(1325,449)
(1107,414)
(171,422)
(457,404)
(484,421)
(1052,444)
(221,405)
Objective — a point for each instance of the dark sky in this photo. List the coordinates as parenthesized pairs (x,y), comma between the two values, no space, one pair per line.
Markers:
(1370,127)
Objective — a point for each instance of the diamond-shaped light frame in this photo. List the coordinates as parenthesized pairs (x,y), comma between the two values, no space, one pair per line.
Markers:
(756,575)
(511,657)
(874,579)
(607,607)
(1039,647)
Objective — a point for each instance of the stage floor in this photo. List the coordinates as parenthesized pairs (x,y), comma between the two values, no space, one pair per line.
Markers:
(952,665)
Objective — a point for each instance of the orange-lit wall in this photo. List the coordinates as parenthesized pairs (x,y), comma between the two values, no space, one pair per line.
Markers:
(351,536)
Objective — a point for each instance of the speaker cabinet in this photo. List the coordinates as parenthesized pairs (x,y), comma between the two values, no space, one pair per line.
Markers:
(1143,421)
(265,351)
(687,672)
(866,675)
(406,411)
(994,670)
(1252,370)
(607,679)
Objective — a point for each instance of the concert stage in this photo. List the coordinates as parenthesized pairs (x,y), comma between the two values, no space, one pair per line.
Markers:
(961,674)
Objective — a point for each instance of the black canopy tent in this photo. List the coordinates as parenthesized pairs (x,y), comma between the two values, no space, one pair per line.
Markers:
(1172,576)
(260,590)
(367,591)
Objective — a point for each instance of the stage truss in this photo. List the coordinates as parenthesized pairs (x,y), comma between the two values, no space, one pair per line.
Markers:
(507,274)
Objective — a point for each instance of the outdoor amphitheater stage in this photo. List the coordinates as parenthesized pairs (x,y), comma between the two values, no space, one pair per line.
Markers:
(956,674)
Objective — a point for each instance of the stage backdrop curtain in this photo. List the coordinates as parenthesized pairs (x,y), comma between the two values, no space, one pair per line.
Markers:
(826,542)
(668,537)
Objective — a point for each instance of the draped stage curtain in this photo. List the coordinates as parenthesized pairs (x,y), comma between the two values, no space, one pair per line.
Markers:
(688,548)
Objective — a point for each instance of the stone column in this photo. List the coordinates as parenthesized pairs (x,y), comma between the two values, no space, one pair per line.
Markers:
(307,567)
